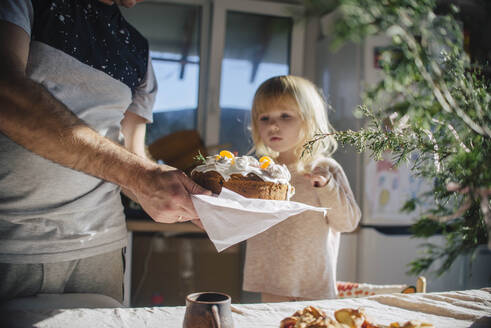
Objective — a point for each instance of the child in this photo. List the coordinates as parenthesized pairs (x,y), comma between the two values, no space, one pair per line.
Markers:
(296,259)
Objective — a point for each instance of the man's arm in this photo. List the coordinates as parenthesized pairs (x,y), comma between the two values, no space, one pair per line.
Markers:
(33,118)
(133,128)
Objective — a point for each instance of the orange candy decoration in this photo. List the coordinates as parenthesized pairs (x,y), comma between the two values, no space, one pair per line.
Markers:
(265,162)
(225,153)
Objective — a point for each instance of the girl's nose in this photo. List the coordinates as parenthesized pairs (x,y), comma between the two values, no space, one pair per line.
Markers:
(273,125)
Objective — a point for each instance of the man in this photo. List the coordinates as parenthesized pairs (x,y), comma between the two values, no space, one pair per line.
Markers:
(73,75)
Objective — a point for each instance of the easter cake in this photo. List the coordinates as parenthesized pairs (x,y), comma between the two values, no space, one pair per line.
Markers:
(245,175)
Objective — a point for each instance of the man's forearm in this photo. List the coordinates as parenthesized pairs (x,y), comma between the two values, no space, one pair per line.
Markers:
(33,118)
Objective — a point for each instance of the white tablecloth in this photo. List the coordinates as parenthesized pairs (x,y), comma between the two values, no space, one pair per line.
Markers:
(471,308)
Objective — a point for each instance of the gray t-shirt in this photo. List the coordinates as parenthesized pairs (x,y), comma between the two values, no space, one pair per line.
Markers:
(49,213)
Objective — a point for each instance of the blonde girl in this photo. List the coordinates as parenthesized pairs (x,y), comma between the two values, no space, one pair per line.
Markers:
(296,259)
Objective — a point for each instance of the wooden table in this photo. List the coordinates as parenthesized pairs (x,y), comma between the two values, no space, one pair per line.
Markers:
(152,226)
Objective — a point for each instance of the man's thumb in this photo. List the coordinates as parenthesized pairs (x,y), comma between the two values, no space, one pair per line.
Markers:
(194,188)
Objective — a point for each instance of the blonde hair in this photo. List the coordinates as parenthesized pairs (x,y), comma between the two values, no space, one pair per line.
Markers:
(312,110)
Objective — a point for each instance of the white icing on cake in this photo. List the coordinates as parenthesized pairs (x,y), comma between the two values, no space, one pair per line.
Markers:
(244,165)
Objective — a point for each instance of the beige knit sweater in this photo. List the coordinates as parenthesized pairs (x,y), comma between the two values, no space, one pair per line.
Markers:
(298,256)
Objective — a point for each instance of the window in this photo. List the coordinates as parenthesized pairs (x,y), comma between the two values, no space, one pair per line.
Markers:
(209,63)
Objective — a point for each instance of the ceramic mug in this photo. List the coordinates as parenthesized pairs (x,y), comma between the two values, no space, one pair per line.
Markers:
(208,310)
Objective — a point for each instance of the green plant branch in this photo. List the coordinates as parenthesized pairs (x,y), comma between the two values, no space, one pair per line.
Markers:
(439,89)
(436,116)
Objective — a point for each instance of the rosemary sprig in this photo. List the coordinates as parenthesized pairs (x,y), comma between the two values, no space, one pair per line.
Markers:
(200,159)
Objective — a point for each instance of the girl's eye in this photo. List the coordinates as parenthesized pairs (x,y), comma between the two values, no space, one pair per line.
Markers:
(285,116)
(264,118)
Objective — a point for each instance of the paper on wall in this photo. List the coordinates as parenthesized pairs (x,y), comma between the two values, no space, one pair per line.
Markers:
(230,218)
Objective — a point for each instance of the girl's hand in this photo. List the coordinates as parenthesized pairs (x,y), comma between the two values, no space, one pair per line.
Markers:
(319,177)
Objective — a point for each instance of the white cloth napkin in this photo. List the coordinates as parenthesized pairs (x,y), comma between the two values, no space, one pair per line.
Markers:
(230,218)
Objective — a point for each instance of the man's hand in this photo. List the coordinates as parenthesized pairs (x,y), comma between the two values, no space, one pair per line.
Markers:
(165,194)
